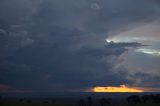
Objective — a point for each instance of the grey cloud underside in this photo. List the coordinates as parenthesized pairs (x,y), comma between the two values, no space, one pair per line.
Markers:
(124,45)
(47,44)
(146,80)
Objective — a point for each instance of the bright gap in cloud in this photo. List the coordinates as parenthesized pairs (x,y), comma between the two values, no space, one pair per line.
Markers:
(121,88)
(124,39)
(149,51)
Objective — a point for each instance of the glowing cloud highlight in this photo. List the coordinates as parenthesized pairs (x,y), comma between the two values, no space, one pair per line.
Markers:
(122,88)
(149,51)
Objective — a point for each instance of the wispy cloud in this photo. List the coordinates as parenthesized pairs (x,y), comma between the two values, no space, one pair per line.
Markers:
(149,51)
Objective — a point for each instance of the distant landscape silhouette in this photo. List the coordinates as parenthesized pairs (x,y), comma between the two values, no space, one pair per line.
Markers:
(136,100)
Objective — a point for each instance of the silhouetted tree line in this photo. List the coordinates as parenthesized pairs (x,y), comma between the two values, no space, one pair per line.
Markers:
(89,102)
(132,100)
(152,98)
(1,102)
(53,101)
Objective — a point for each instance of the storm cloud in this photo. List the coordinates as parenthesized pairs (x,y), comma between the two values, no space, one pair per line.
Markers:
(59,45)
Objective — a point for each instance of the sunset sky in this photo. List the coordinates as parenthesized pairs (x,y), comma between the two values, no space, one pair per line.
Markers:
(74,45)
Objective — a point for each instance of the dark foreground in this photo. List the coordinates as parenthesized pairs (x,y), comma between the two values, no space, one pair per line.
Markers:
(104,99)
(62,103)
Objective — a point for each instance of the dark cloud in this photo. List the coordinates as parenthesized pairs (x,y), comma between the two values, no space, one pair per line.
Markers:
(124,45)
(50,44)
(146,79)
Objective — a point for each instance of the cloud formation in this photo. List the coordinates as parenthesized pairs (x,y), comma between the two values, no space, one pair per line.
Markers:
(50,44)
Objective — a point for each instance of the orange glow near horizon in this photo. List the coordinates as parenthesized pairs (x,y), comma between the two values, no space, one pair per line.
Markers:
(121,88)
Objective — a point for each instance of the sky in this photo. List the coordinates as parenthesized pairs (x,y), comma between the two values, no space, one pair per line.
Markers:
(73,45)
